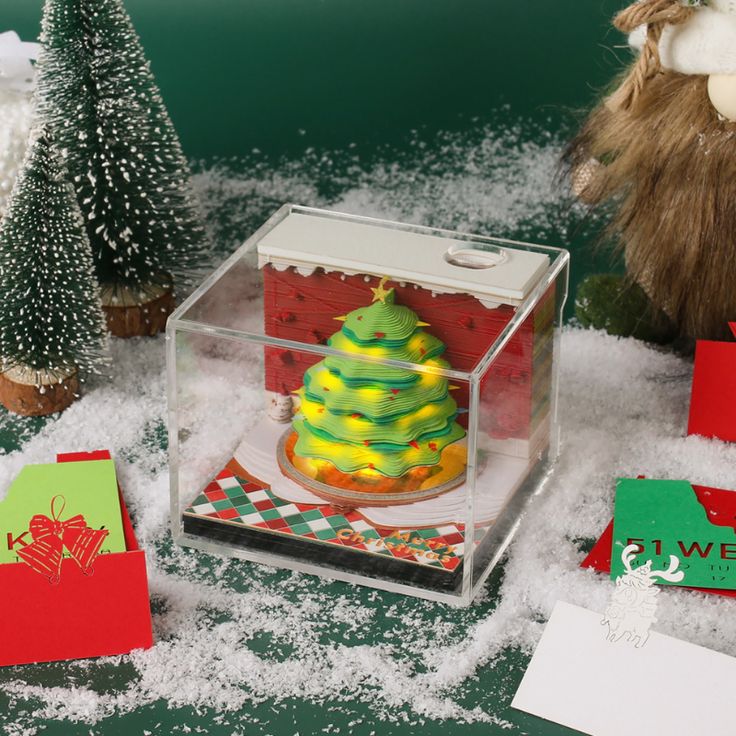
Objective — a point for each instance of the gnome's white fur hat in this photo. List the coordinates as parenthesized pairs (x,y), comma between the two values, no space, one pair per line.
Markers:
(704,44)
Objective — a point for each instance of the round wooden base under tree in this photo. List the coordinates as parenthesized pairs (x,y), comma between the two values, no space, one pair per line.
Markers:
(32,394)
(137,312)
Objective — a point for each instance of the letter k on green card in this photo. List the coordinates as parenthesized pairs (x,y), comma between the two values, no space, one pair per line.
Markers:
(671,517)
(50,504)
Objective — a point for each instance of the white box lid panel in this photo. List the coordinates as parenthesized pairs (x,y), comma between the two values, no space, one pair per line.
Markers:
(493,274)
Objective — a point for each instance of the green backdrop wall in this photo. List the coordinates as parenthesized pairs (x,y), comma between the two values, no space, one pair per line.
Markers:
(281,75)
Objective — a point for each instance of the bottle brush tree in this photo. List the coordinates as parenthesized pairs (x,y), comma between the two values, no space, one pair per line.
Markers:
(51,325)
(132,181)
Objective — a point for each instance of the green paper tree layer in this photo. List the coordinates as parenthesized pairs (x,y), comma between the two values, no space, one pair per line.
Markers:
(50,317)
(362,415)
(96,90)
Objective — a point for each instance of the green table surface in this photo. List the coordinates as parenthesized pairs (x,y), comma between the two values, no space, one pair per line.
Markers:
(282,76)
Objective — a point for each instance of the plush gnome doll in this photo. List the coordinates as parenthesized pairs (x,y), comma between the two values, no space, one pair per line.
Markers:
(661,151)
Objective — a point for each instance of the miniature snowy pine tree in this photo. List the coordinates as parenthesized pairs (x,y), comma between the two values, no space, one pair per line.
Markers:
(131,178)
(51,325)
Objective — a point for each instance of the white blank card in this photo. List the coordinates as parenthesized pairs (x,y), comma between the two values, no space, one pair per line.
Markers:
(579,679)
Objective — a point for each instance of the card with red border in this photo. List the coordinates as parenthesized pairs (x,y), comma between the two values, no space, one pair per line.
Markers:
(720,506)
(93,611)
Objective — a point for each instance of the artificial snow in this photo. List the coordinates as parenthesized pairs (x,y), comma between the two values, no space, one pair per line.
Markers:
(623,408)
(15,126)
(230,634)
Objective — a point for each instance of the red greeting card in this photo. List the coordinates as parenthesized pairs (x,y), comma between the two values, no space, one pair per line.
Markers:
(87,604)
(713,399)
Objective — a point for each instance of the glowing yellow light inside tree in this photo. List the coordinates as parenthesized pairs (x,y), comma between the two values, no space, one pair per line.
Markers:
(366,418)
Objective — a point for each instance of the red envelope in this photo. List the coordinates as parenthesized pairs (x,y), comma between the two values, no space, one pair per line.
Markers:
(713,398)
(721,508)
(95,615)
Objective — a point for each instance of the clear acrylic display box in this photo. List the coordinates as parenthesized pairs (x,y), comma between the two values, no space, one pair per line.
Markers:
(365,400)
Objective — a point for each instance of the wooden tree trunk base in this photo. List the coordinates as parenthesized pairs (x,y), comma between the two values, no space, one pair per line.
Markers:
(34,401)
(140,320)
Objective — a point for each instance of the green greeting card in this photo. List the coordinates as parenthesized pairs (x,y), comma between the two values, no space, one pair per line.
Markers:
(667,517)
(59,497)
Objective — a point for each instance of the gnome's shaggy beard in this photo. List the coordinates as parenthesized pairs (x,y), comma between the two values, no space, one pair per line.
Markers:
(670,170)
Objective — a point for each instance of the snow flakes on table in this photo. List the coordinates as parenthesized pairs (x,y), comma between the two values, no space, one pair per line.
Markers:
(499,180)
(231,634)
(15,126)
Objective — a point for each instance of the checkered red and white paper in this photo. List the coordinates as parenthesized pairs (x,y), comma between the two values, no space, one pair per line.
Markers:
(235,500)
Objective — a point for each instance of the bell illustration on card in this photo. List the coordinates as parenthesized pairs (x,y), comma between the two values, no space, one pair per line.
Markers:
(51,537)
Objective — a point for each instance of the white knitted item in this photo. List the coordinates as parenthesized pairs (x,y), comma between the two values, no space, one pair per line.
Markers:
(705,44)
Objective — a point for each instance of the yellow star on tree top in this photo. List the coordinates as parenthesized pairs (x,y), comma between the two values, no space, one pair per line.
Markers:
(379,293)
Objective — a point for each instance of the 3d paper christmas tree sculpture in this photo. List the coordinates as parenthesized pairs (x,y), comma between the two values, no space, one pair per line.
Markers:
(369,433)
(51,325)
(132,181)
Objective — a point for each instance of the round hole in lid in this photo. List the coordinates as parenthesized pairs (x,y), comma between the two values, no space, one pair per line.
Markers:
(475,255)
